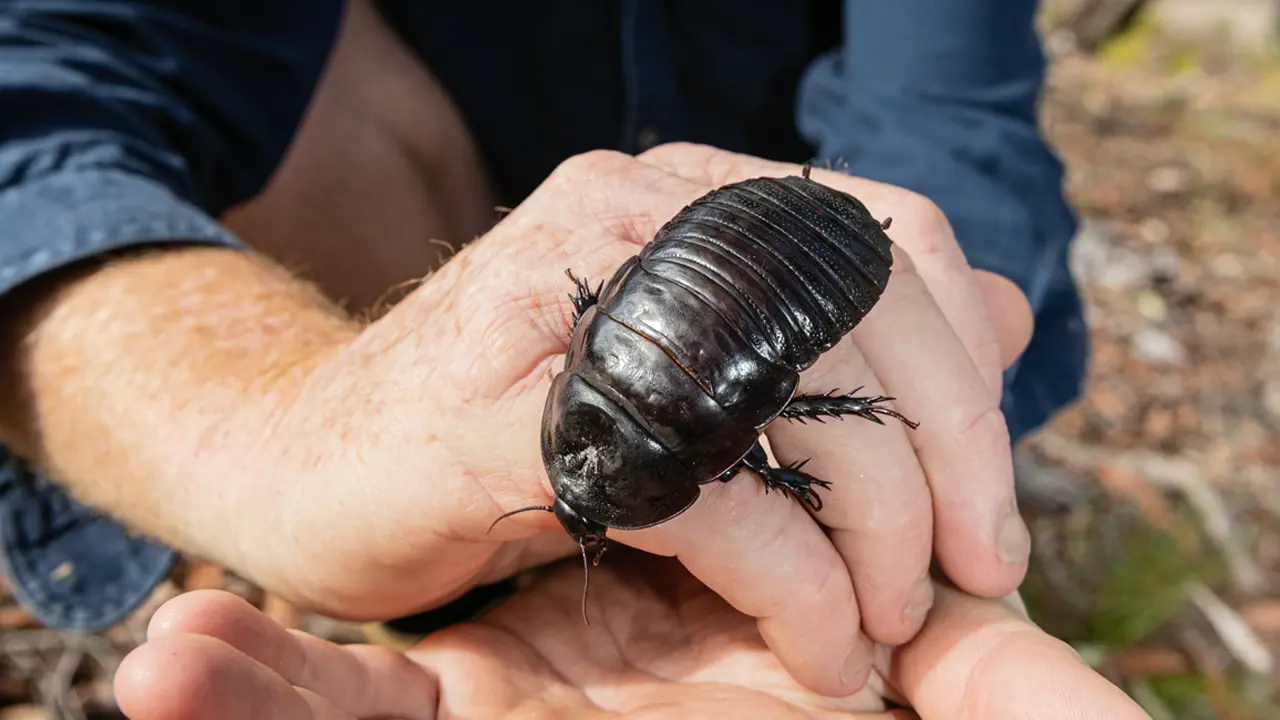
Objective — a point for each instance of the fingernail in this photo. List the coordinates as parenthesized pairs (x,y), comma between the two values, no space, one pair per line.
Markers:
(920,600)
(1013,541)
(857,666)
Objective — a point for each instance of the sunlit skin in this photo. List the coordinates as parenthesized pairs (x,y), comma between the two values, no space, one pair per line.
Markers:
(660,645)
(356,470)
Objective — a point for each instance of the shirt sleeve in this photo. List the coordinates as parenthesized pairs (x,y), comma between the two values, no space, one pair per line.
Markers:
(941,97)
(125,123)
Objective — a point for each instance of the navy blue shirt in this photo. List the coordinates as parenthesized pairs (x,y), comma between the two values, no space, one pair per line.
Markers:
(128,122)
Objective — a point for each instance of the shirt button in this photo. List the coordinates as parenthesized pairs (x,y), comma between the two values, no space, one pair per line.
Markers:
(647,137)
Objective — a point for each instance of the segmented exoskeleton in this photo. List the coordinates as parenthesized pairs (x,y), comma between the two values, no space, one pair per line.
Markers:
(678,363)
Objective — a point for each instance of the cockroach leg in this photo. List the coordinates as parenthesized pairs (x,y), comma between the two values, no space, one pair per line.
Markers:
(816,407)
(788,480)
(583,298)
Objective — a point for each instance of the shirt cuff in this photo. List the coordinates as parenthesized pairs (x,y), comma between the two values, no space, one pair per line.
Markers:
(60,219)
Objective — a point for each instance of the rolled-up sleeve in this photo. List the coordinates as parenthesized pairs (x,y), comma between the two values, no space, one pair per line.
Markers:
(125,123)
(941,97)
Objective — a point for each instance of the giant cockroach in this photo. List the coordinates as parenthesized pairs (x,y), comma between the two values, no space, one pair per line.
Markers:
(679,362)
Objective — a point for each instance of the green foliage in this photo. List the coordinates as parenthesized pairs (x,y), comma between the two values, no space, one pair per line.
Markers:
(1147,585)
(1128,48)
(1151,700)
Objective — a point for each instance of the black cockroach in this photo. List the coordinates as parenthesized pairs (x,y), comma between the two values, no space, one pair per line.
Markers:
(679,362)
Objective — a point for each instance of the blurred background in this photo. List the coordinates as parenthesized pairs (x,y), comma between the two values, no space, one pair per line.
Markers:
(1155,500)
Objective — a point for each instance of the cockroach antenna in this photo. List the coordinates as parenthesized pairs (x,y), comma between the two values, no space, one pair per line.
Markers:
(544,508)
(586,581)
(586,562)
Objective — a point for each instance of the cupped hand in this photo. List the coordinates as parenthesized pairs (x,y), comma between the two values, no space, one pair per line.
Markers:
(402,448)
(664,647)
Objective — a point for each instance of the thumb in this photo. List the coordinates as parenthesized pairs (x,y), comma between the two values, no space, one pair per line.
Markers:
(979,658)
(1010,314)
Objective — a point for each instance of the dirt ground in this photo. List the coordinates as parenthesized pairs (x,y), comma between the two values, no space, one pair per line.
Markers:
(1158,494)
(1155,501)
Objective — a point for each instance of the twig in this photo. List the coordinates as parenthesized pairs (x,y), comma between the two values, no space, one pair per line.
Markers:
(55,688)
(1237,637)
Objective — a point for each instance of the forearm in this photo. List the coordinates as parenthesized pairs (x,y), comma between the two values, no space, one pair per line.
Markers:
(142,383)
(131,124)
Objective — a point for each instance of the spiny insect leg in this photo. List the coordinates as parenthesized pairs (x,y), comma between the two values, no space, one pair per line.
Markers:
(788,480)
(816,407)
(583,298)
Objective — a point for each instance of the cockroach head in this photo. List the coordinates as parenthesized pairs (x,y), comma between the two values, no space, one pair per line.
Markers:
(589,534)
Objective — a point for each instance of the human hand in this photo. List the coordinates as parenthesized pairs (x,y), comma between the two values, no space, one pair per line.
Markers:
(938,342)
(410,442)
(665,647)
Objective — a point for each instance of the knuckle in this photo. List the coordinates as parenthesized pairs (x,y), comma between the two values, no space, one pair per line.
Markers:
(706,163)
(830,587)
(931,231)
(668,149)
(590,164)
(985,429)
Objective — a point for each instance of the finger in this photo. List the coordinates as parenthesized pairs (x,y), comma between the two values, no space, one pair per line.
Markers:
(488,672)
(948,368)
(878,509)
(1011,314)
(976,658)
(922,230)
(194,677)
(362,680)
(962,441)
(768,558)
(917,224)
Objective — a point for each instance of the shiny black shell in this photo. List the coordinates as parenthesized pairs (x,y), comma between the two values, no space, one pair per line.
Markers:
(697,343)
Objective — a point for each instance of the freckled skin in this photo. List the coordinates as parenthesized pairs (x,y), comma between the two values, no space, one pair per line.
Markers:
(678,362)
